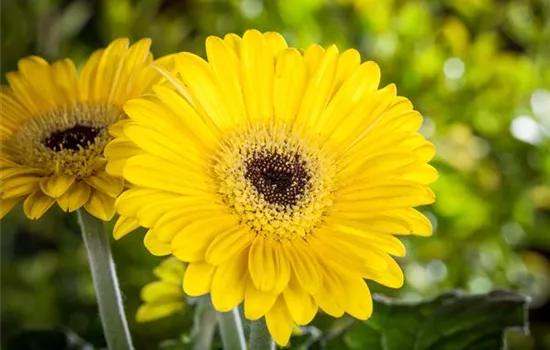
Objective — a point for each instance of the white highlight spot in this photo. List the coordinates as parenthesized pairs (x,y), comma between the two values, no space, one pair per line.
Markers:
(525,129)
(252,8)
(454,68)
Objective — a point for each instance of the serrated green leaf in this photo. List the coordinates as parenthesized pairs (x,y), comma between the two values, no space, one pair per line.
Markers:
(452,321)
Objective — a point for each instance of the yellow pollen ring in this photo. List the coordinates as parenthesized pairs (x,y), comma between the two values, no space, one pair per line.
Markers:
(68,140)
(278,184)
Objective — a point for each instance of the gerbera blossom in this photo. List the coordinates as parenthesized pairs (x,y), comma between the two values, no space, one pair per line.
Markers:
(281,176)
(55,126)
(163,297)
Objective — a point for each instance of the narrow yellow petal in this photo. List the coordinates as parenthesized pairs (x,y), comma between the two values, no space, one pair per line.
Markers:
(198,278)
(304,265)
(154,246)
(358,297)
(152,312)
(161,291)
(257,69)
(101,205)
(56,186)
(269,269)
(37,204)
(279,322)
(331,296)
(227,244)
(18,186)
(290,82)
(193,240)
(300,304)
(124,225)
(225,67)
(75,197)
(256,302)
(229,283)
(392,277)
(171,270)
(110,185)
(319,88)
(6,205)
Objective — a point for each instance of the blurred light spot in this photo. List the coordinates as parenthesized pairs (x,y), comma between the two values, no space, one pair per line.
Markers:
(252,8)
(480,284)
(540,103)
(453,68)
(512,233)
(525,129)
(433,220)
(479,147)
(417,276)
(428,127)
(385,45)
(437,270)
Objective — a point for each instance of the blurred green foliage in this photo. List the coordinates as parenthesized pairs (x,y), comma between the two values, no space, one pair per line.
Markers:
(478,70)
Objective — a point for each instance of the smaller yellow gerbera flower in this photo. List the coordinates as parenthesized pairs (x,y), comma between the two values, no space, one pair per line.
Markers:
(55,125)
(164,297)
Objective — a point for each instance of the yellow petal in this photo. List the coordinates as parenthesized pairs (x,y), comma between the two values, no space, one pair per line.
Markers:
(194,239)
(300,304)
(229,282)
(199,79)
(290,82)
(225,245)
(257,70)
(75,197)
(171,270)
(152,312)
(18,186)
(269,269)
(124,225)
(161,291)
(225,66)
(154,246)
(256,302)
(304,265)
(198,279)
(6,205)
(101,205)
(392,277)
(37,204)
(103,182)
(358,297)
(279,322)
(331,297)
(56,186)
(319,88)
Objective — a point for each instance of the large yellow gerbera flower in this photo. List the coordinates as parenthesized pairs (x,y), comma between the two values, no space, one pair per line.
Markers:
(55,127)
(280,176)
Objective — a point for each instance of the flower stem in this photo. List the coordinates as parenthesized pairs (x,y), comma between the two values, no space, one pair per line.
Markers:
(105,281)
(231,329)
(259,336)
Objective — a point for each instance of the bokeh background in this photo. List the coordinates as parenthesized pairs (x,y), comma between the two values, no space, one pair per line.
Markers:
(478,70)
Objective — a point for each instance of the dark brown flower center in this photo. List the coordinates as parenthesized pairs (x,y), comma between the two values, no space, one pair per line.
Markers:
(280,179)
(75,138)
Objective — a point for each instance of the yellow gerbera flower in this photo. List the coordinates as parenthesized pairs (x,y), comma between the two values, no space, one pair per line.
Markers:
(55,126)
(164,297)
(280,175)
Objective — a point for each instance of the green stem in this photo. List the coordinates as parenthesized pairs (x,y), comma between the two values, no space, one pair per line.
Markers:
(205,325)
(260,339)
(231,329)
(105,281)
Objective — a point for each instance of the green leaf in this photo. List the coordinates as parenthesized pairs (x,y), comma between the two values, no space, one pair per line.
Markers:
(452,321)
